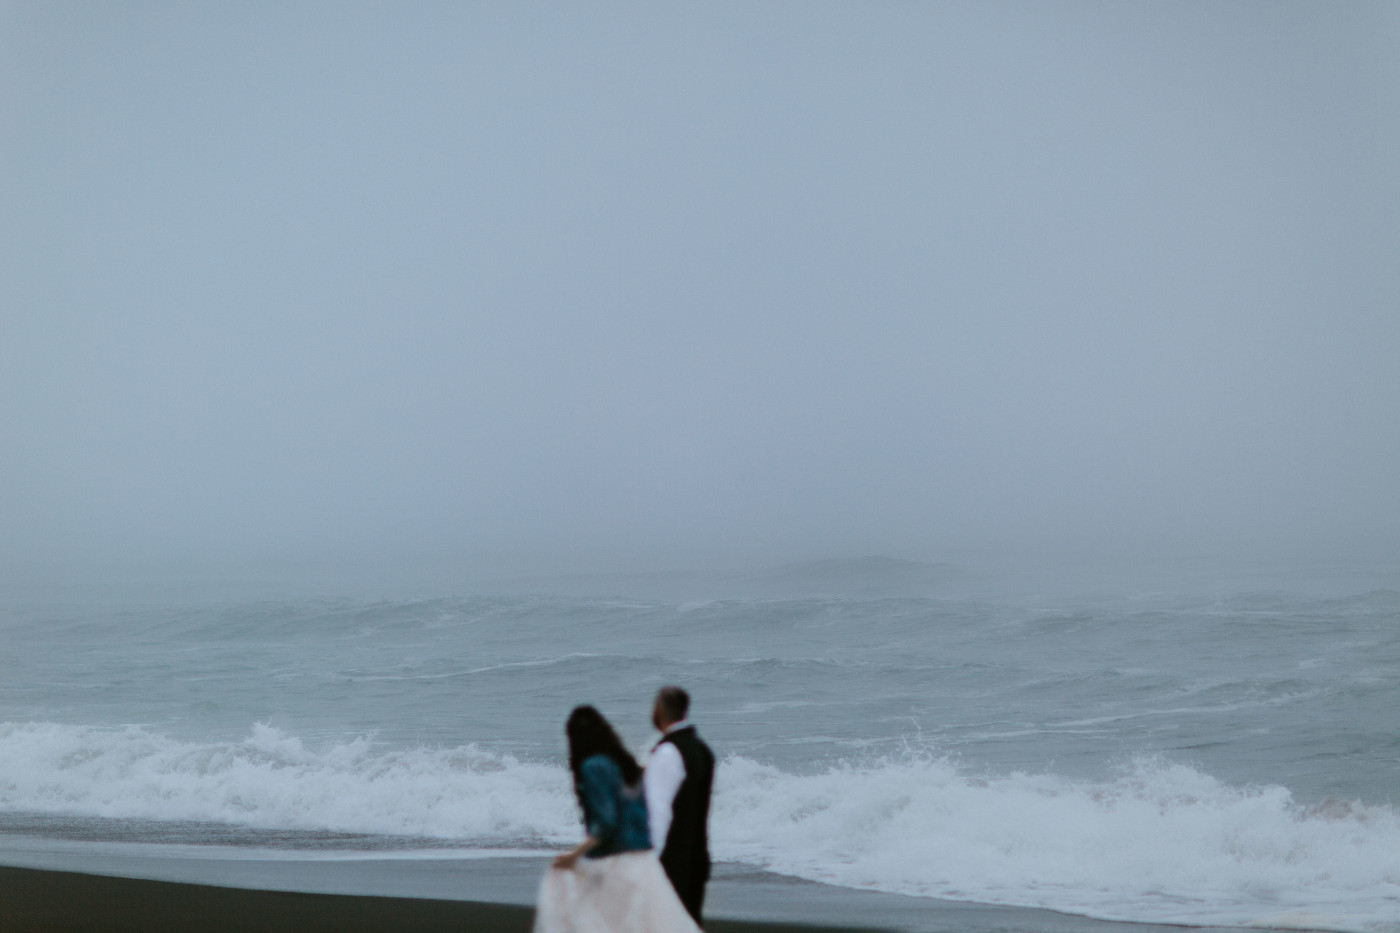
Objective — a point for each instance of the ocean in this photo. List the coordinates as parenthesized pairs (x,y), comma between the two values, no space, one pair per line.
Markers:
(1202,748)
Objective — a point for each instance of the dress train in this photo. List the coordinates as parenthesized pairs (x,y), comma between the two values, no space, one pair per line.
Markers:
(623,893)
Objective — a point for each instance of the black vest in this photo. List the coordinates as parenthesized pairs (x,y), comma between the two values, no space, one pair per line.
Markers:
(686,852)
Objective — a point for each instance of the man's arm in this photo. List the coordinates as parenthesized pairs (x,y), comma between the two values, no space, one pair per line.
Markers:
(661,780)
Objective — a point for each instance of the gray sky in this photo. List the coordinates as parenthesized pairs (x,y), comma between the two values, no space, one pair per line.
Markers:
(633,286)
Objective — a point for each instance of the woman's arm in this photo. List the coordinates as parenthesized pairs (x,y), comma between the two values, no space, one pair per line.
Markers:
(568,858)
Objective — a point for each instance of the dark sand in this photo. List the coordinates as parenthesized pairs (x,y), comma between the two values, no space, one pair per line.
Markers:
(46,900)
(42,900)
(39,900)
(63,885)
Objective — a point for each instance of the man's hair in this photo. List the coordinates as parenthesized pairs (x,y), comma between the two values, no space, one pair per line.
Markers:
(674,702)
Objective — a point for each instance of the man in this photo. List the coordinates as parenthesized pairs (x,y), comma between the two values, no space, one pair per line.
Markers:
(677,779)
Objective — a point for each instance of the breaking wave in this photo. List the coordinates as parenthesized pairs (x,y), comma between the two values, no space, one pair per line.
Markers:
(1160,842)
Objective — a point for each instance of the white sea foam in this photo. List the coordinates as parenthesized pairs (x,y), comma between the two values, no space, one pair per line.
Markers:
(274,781)
(1160,842)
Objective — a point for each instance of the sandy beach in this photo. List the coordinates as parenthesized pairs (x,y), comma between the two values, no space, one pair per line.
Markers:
(487,895)
(41,900)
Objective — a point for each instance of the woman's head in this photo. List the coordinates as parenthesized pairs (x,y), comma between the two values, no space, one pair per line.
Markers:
(589,734)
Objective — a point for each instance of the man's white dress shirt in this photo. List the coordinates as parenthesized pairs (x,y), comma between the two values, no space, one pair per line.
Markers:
(662,779)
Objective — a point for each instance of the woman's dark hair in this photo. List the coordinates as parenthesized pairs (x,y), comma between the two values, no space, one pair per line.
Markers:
(589,734)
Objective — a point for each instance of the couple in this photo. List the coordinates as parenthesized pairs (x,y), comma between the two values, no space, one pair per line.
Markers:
(612,882)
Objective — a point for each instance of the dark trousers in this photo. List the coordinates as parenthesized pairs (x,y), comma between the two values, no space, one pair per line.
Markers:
(689,881)
(694,899)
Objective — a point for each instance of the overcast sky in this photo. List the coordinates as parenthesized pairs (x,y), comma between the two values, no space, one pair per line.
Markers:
(638,286)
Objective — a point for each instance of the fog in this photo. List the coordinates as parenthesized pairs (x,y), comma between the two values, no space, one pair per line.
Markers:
(549,288)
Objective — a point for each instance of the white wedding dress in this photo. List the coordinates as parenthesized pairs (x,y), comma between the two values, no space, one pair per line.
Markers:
(624,893)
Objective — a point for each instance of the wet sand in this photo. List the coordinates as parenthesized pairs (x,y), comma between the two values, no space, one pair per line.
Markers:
(205,895)
(44,901)
(40,900)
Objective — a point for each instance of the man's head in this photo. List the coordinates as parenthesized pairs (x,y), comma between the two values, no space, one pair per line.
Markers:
(671,706)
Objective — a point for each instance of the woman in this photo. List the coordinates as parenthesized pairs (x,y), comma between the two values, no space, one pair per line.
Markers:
(611,882)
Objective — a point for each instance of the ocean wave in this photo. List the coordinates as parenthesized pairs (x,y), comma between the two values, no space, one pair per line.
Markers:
(1162,842)
(1159,842)
(271,780)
